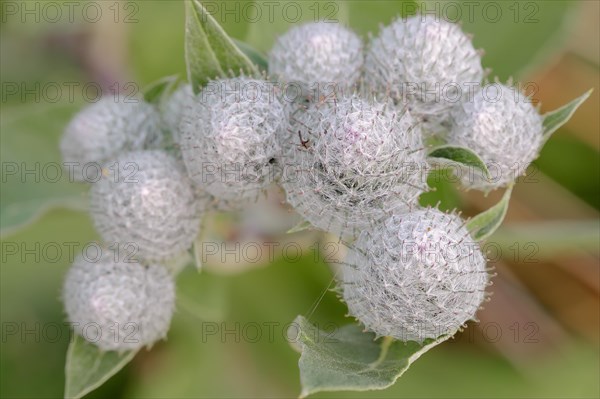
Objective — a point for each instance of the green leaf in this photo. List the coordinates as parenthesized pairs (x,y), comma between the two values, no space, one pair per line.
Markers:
(203,297)
(553,120)
(304,225)
(485,224)
(209,52)
(258,58)
(349,359)
(34,180)
(577,170)
(517,37)
(461,157)
(551,238)
(157,91)
(87,367)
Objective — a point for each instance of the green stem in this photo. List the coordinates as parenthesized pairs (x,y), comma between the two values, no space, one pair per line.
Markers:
(551,238)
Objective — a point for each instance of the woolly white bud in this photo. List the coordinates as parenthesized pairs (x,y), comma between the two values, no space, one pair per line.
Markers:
(417,276)
(317,53)
(174,109)
(503,127)
(426,61)
(118,305)
(146,200)
(107,128)
(350,163)
(229,138)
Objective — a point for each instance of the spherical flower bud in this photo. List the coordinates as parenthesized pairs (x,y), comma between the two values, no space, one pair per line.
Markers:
(351,162)
(416,276)
(229,138)
(504,128)
(118,305)
(147,200)
(105,129)
(427,61)
(317,54)
(174,109)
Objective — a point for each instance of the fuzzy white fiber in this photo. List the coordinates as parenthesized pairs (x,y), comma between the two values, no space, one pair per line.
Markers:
(504,128)
(107,128)
(117,305)
(174,109)
(229,139)
(417,276)
(426,61)
(318,53)
(147,200)
(352,162)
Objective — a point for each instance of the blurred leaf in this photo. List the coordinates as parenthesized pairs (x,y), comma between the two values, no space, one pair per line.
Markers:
(33,179)
(38,304)
(552,238)
(201,296)
(516,36)
(304,225)
(17,216)
(87,367)
(577,170)
(258,58)
(351,360)
(209,51)
(460,157)
(485,224)
(553,120)
(156,92)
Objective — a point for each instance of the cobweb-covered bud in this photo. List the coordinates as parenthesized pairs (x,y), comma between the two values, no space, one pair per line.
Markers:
(349,163)
(417,276)
(318,53)
(146,200)
(427,61)
(229,138)
(118,305)
(504,128)
(105,129)
(174,109)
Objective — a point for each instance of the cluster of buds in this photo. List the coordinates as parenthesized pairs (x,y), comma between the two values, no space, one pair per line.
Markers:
(352,163)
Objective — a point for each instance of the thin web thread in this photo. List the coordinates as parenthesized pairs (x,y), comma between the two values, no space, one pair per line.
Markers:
(318,301)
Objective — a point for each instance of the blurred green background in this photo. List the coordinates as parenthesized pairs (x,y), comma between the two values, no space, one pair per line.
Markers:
(553,44)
